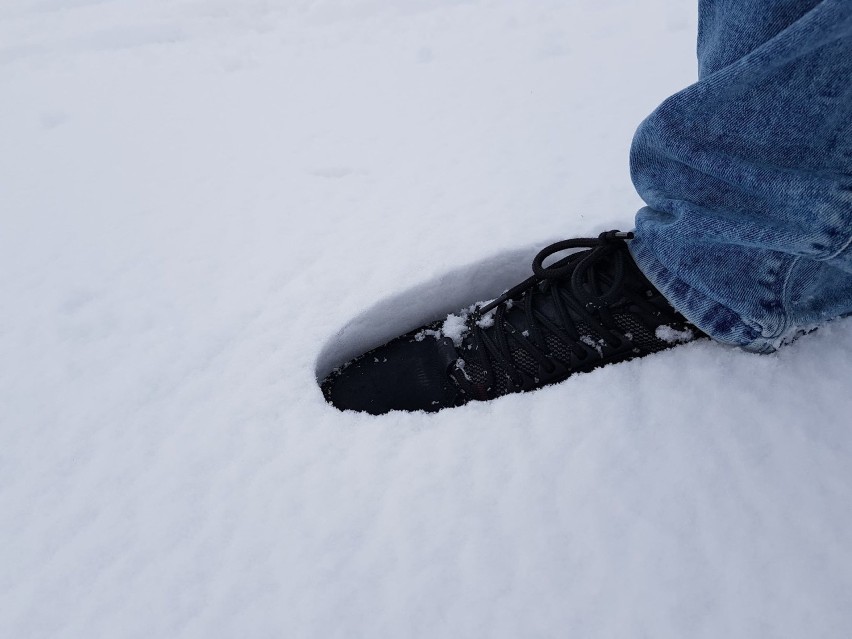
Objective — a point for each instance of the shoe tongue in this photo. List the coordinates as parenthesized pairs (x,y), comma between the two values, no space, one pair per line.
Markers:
(542,303)
(517,318)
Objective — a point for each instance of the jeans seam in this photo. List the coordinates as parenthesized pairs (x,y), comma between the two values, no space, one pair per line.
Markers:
(845,246)
(785,295)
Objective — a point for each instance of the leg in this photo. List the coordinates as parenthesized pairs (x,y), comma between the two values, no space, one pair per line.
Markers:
(748,174)
(748,179)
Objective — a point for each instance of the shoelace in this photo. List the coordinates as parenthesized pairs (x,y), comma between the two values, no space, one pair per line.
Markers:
(590,293)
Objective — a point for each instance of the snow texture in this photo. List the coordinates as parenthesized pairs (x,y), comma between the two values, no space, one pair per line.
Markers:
(673,336)
(206,205)
(456,326)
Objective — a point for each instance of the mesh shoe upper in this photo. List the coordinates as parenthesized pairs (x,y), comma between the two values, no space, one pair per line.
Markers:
(590,308)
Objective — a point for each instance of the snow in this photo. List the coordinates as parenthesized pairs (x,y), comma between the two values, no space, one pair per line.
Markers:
(456,325)
(206,205)
(671,335)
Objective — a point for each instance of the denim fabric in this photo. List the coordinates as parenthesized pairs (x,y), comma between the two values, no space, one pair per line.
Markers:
(747,174)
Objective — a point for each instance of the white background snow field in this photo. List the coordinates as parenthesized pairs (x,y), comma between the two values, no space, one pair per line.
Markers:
(205,204)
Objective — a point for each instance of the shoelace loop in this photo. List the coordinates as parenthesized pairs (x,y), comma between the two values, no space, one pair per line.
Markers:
(560,268)
(591,292)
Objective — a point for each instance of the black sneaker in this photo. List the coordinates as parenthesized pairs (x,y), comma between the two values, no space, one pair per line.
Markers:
(589,309)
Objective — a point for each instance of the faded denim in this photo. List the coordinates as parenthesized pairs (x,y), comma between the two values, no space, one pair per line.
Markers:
(747,174)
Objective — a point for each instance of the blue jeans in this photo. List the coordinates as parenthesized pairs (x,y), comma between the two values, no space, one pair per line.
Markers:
(747,174)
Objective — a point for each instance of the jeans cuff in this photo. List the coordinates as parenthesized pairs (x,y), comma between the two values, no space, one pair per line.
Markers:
(716,320)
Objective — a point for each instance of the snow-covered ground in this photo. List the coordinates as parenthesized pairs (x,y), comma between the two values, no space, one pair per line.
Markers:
(206,203)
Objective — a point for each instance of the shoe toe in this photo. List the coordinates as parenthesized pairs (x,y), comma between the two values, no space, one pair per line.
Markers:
(406,374)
